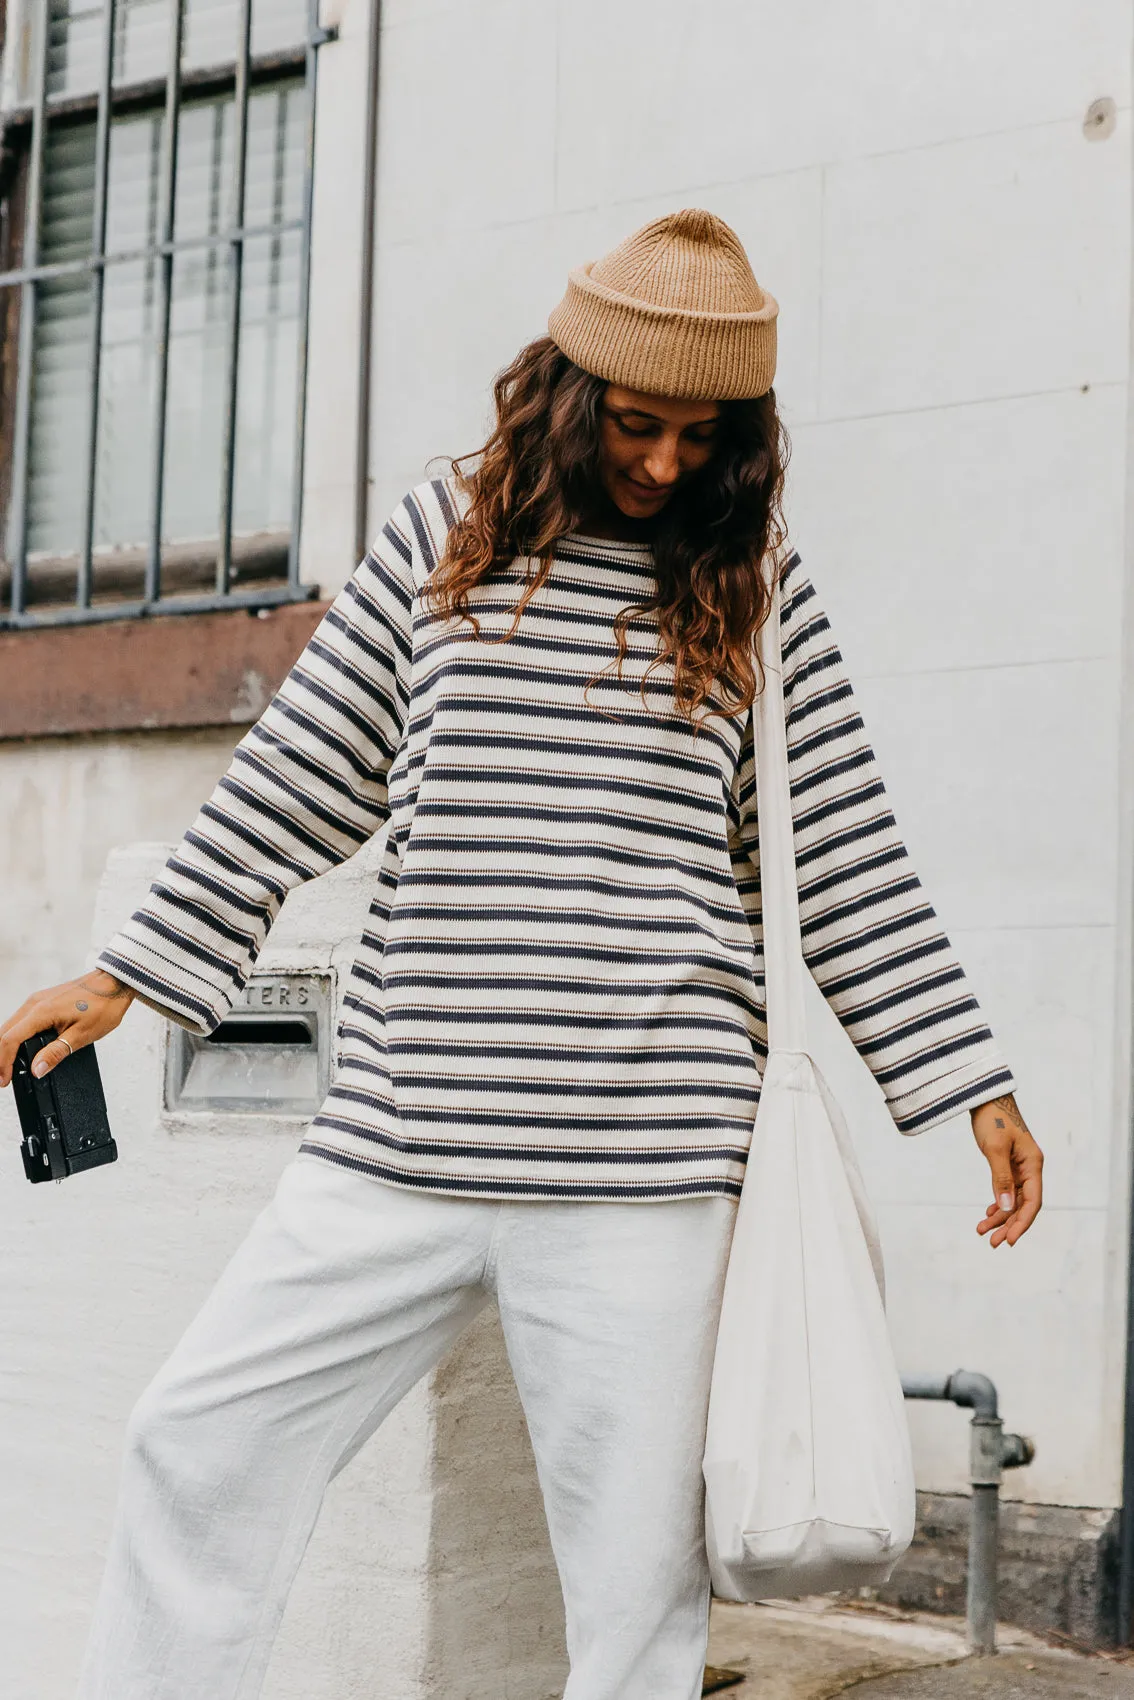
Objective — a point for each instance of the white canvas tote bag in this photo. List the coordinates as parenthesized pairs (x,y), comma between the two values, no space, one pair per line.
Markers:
(809,1483)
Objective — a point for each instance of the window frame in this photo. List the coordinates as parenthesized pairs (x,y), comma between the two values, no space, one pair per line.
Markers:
(19,285)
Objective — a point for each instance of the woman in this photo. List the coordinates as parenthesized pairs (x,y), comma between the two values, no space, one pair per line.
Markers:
(550,1055)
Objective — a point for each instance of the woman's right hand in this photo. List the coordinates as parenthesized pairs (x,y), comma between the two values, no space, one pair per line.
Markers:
(80,1011)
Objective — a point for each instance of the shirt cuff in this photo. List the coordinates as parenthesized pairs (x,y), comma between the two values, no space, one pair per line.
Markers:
(166,986)
(981,1078)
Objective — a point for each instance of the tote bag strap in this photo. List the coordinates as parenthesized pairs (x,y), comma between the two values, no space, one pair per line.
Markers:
(784,967)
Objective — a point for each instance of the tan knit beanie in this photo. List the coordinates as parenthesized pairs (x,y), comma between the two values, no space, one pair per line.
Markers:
(674,310)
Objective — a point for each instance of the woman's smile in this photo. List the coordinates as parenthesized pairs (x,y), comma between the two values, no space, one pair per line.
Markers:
(654,494)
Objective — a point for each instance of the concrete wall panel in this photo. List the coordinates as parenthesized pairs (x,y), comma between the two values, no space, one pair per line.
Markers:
(662,96)
(968,536)
(1004,782)
(467,128)
(957,1304)
(948,280)
(1048,995)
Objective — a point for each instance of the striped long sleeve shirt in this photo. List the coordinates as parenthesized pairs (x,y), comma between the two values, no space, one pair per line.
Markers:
(559,991)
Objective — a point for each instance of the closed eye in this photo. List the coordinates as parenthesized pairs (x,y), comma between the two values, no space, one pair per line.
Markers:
(646,429)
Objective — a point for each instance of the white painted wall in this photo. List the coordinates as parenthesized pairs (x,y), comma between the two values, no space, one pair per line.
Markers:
(951,255)
(64,803)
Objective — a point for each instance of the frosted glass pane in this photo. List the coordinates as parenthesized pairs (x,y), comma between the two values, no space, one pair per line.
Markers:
(142,37)
(122,472)
(62,346)
(134,182)
(198,330)
(265,414)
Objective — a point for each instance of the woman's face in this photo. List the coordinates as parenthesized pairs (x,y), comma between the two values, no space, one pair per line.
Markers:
(650,444)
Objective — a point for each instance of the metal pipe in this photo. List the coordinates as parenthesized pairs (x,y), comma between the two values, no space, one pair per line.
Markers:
(315,39)
(161,383)
(991,1452)
(981,1591)
(98,289)
(18,515)
(967,1387)
(925,1386)
(1124,1628)
(366,286)
(236,276)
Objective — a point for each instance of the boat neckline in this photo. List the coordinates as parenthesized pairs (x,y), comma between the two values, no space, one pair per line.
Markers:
(613,543)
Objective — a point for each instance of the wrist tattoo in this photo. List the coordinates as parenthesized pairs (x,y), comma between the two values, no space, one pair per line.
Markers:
(119,991)
(1011,1110)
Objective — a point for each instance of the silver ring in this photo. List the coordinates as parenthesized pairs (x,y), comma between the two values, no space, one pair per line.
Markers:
(67,1042)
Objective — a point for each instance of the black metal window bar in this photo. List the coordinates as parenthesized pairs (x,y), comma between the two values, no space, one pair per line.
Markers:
(33,273)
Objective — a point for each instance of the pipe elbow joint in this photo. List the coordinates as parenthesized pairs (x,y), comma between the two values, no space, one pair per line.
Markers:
(969,1388)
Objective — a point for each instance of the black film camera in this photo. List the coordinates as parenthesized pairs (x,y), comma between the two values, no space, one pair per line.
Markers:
(63,1116)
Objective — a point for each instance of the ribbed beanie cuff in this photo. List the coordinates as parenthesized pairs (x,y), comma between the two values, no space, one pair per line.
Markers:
(674,310)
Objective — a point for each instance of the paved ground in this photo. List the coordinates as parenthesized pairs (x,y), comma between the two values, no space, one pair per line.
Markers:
(812,1651)
(1009,1676)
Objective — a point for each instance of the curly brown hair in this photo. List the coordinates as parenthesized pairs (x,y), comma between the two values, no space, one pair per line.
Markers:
(536,479)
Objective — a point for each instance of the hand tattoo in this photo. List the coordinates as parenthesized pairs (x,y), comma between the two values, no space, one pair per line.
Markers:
(79,1004)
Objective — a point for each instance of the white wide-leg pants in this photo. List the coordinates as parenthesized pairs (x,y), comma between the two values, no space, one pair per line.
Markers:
(344,1293)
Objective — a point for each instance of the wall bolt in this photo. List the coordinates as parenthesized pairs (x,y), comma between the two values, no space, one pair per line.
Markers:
(1100,120)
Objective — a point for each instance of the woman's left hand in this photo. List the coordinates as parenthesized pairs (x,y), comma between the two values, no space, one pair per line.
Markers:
(1016,1162)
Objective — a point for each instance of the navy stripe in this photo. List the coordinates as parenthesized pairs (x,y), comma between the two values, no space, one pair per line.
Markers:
(477,1186)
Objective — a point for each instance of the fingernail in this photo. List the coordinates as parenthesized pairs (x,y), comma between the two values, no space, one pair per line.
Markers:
(1006,1201)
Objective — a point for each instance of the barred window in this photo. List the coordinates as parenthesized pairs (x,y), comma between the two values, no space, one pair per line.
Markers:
(154,261)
